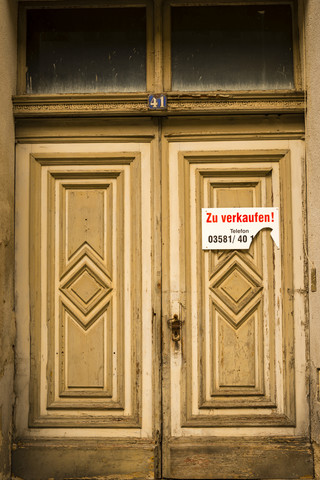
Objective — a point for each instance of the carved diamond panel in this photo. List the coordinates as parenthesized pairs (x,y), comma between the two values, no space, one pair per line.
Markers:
(236,287)
(86,288)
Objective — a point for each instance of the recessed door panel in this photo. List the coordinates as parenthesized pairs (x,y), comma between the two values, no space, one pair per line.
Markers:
(94,334)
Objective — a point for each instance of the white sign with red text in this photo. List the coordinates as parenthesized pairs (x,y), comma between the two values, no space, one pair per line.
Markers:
(235,228)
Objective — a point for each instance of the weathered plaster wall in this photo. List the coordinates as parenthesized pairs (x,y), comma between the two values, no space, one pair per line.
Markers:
(312,10)
(7,87)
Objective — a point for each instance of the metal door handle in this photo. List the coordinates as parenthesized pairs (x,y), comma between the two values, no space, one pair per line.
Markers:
(175,325)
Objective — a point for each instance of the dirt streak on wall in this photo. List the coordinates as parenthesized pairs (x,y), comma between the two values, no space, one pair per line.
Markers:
(8,48)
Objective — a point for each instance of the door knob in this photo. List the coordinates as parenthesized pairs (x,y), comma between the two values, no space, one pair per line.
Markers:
(175,324)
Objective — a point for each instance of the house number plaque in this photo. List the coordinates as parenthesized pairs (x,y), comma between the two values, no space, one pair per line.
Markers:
(157,101)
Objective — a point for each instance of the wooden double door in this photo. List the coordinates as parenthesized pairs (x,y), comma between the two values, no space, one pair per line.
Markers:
(108,242)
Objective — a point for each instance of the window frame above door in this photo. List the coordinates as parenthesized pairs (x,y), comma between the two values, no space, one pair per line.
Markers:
(158,72)
(168,4)
(53,4)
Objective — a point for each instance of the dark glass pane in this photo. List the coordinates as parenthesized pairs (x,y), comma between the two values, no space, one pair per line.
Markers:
(86,50)
(232,47)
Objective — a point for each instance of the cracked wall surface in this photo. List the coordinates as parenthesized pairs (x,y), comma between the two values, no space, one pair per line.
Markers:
(8,21)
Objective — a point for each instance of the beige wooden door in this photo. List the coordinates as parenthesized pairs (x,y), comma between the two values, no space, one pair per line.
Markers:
(85,274)
(234,390)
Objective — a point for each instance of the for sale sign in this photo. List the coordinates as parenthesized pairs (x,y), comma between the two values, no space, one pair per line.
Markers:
(235,228)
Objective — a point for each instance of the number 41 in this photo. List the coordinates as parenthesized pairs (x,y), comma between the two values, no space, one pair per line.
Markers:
(157,102)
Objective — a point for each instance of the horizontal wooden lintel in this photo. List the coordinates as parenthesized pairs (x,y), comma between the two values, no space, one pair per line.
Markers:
(178,104)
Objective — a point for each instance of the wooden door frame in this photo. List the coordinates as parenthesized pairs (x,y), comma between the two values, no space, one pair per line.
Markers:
(159,132)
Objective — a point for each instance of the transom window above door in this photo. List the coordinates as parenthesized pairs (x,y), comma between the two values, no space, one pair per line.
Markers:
(230,47)
(86,50)
(154,46)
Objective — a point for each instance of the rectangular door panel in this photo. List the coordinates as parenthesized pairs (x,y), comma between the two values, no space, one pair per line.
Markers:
(86,291)
(236,346)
